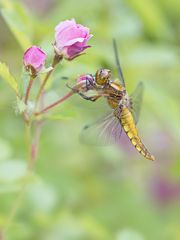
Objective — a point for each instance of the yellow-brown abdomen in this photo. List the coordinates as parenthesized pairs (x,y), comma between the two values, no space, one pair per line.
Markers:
(130,129)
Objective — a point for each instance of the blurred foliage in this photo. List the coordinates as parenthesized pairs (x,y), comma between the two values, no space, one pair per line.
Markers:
(82,192)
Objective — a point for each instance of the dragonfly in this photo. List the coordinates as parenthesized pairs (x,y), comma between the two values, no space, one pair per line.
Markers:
(125,109)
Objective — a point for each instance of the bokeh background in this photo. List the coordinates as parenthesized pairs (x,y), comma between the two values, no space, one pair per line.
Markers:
(80,192)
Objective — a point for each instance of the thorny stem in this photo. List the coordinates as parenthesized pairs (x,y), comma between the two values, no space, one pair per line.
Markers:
(28,89)
(56,60)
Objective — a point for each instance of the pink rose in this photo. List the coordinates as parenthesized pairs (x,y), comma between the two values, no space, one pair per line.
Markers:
(71,39)
(34,59)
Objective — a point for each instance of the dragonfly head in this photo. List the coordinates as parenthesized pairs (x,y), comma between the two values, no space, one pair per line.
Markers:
(102,76)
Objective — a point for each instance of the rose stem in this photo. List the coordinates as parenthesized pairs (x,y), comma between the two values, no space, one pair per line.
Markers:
(56,60)
(28,89)
(36,138)
(55,103)
(21,194)
(32,151)
(35,143)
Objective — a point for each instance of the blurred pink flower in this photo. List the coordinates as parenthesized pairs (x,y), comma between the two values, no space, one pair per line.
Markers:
(71,39)
(164,190)
(34,59)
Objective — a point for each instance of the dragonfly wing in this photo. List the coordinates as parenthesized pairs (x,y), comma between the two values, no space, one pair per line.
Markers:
(105,131)
(118,62)
(136,101)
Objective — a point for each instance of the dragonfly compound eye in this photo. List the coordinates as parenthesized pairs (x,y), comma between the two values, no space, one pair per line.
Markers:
(103,76)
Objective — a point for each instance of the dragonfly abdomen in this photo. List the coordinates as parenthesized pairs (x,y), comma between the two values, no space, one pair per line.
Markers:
(130,129)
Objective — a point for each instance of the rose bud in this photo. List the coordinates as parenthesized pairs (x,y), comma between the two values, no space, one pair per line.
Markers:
(34,60)
(71,39)
(86,81)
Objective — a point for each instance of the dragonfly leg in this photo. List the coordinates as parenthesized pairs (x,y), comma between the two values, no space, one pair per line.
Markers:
(67,85)
(74,89)
(93,98)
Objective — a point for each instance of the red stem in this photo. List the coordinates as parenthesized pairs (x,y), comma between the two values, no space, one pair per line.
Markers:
(28,89)
(43,85)
(55,103)
(56,60)
(35,143)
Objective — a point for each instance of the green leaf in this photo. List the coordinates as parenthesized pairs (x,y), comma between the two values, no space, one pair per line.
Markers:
(6,75)
(17,27)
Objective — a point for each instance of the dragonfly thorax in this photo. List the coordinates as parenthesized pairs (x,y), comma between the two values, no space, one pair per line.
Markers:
(116,87)
(117,95)
(125,101)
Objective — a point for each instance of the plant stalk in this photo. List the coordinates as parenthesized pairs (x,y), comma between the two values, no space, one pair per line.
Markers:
(56,60)
(28,89)
(55,103)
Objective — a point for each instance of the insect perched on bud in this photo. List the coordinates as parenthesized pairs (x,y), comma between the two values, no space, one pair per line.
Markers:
(102,76)
(87,81)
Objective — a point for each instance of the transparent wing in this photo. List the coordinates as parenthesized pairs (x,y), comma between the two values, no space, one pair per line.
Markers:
(136,101)
(118,62)
(105,131)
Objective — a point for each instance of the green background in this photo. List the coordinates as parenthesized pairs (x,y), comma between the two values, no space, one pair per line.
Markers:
(80,192)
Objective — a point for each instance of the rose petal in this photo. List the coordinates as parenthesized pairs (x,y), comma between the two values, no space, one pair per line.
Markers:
(63,25)
(34,57)
(71,38)
(69,34)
